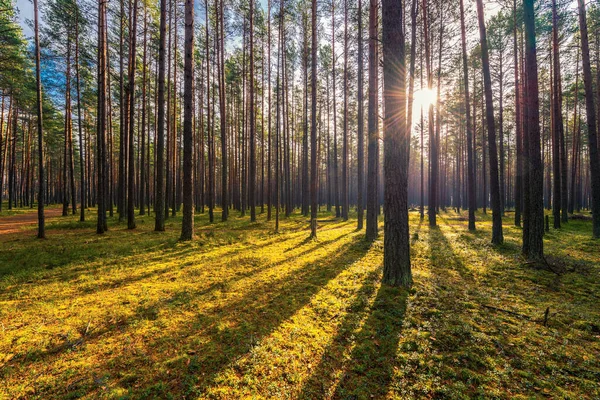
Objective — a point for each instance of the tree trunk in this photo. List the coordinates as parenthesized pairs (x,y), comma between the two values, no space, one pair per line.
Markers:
(396,256)
(361,124)
(187,226)
(497,237)
(591,121)
(252,122)
(533,186)
(470,169)
(373,124)
(313,126)
(41,234)
(131,93)
(159,201)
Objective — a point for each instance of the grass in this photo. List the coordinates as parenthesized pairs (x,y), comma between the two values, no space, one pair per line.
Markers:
(242,312)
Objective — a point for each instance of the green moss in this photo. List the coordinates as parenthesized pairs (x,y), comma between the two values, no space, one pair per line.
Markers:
(241,312)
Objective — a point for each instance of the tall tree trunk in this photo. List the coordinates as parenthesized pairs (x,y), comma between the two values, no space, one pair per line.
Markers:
(336,175)
(518,125)
(131,92)
(80,123)
(187,226)
(345,194)
(497,237)
(534,193)
(557,122)
(66,148)
(396,256)
(431,206)
(270,136)
(101,119)
(159,201)
(373,123)
(122,112)
(252,122)
(223,116)
(591,121)
(313,125)
(361,124)
(142,188)
(41,234)
(470,166)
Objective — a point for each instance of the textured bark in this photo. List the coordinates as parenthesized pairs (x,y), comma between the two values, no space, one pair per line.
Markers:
(497,237)
(79,124)
(159,202)
(396,256)
(101,119)
(591,121)
(187,226)
(142,187)
(223,115)
(336,175)
(470,169)
(431,206)
(361,123)
(131,93)
(345,191)
(252,122)
(41,233)
(533,185)
(557,122)
(313,126)
(518,125)
(373,125)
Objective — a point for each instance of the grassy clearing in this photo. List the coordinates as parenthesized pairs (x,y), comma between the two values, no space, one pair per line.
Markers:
(243,312)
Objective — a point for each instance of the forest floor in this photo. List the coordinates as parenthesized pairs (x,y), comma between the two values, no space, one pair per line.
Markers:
(244,312)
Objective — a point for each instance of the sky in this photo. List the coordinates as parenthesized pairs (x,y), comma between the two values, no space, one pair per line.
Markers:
(25,8)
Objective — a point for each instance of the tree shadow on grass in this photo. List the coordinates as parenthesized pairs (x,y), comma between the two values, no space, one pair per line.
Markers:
(442,254)
(369,368)
(220,332)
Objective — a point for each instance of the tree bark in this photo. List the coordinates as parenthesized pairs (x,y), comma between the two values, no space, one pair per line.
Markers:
(373,124)
(396,256)
(470,169)
(187,226)
(497,237)
(591,121)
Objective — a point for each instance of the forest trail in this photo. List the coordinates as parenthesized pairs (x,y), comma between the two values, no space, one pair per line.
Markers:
(15,223)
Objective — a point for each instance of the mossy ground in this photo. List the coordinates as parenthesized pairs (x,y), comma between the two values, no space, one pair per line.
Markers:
(242,312)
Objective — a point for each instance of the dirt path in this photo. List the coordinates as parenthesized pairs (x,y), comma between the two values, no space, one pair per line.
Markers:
(15,223)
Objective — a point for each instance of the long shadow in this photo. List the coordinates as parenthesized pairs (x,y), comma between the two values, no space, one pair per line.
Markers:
(371,365)
(442,254)
(257,314)
(224,327)
(322,380)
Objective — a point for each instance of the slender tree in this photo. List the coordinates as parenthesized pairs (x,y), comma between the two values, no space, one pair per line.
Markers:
(187,227)
(470,167)
(313,126)
(361,123)
(159,201)
(557,122)
(497,237)
(591,120)
(41,233)
(252,122)
(373,123)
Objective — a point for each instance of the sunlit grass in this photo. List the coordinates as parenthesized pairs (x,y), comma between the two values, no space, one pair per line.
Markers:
(244,312)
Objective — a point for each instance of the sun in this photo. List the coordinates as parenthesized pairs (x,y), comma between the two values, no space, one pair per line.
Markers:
(424,98)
